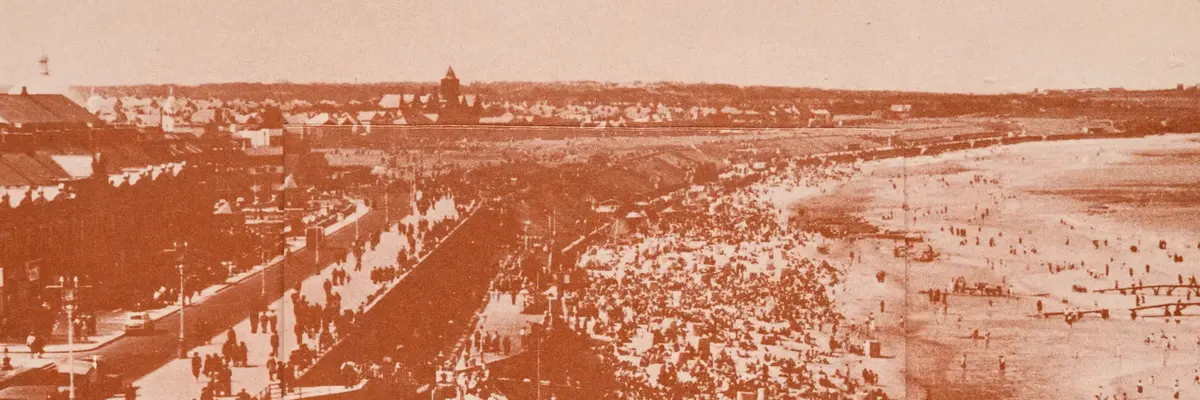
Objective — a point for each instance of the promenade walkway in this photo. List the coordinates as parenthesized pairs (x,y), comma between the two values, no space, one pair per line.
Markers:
(175,380)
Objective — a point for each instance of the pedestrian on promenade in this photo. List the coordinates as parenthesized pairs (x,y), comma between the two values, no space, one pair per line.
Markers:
(273,322)
(31,341)
(348,374)
(77,328)
(274,344)
(254,322)
(202,329)
(285,377)
(298,329)
(326,340)
(210,365)
(196,364)
(228,349)
(262,320)
(227,381)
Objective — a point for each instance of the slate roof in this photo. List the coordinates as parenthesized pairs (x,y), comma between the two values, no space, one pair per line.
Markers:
(43,109)
(28,168)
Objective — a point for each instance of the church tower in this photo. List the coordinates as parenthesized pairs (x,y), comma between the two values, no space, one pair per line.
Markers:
(167,112)
(449,89)
(451,105)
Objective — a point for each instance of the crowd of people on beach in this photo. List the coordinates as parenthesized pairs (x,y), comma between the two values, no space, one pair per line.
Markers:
(723,296)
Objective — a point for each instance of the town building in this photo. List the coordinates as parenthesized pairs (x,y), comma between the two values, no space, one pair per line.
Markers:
(76,197)
(453,108)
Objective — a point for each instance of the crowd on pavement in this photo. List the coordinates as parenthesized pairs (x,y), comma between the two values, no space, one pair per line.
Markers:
(507,298)
(275,350)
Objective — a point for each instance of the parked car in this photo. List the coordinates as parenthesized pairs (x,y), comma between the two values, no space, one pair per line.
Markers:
(139,322)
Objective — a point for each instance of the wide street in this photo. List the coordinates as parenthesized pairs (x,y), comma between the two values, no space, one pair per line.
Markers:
(137,355)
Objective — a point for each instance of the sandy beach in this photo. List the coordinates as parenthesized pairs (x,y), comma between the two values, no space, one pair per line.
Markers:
(1051,222)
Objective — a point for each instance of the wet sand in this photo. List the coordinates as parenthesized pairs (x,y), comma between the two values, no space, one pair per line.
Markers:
(1055,198)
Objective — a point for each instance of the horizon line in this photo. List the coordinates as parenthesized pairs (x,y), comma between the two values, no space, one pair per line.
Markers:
(629,83)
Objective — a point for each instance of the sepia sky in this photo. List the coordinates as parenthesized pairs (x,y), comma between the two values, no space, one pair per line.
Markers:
(958,46)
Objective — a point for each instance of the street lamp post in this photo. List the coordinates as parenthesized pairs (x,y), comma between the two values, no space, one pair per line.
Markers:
(262,294)
(182,305)
(525,236)
(68,295)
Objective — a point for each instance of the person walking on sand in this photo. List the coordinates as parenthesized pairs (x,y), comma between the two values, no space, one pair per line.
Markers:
(963,365)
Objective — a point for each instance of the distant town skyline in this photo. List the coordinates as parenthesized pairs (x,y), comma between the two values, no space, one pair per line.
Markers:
(934,46)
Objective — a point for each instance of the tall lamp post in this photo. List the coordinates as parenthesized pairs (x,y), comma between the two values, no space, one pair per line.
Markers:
(262,294)
(525,235)
(68,286)
(181,251)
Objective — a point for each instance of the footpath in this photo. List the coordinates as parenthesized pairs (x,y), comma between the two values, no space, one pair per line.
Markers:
(110,324)
(358,294)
